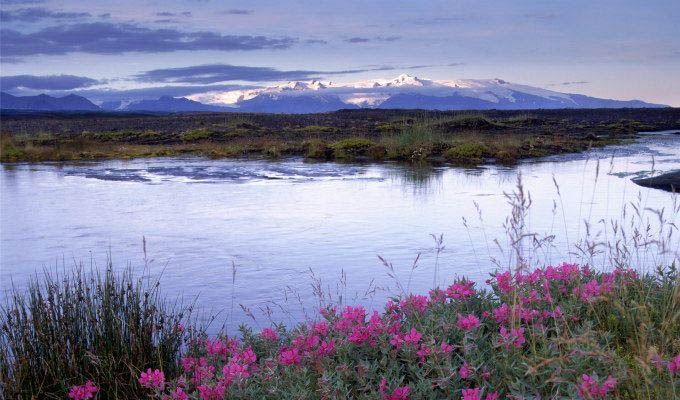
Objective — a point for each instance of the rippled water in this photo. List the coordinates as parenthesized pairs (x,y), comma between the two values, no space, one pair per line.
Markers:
(276,221)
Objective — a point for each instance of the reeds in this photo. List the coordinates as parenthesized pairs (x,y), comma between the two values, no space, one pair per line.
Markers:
(102,326)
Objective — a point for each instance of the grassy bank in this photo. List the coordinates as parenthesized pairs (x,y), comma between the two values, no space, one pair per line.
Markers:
(106,327)
(455,137)
(555,332)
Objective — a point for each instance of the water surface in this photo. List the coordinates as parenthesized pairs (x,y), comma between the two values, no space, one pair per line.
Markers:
(276,221)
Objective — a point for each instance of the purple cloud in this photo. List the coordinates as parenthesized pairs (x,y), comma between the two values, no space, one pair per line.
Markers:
(213,73)
(48,82)
(238,12)
(37,14)
(110,38)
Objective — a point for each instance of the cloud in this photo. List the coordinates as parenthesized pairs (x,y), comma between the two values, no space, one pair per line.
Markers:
(37,14)
(454,64)
(8,2)
(171,14)
(47,82)
(152,92)
(166,21)
(569,83)
(213,73)
(377,39)
(388,38)
(235,11)
(357,40)
(538,15)
(10,60)
(104,16)
(110,38)
(436,20)
(316,41)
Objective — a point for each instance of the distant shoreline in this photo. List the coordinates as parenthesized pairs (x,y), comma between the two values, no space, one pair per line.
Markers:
(458,137)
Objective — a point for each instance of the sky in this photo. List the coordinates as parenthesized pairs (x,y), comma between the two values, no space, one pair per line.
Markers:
(127,49)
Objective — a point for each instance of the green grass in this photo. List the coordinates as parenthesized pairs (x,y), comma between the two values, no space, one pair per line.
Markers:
(469,153)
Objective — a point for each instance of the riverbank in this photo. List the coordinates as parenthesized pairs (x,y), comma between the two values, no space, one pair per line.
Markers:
(559,331)
(457,137)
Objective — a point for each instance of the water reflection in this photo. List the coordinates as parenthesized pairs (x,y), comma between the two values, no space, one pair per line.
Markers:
(276,220)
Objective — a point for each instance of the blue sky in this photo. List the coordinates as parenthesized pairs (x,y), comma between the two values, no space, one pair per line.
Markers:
(612,49)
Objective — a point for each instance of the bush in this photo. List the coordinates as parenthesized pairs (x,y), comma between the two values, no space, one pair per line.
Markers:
(272,152)
(464,122)
(555,332)
(317,129)
(197,134)
(317,149)
(466,153)
(103,328)
(351,148)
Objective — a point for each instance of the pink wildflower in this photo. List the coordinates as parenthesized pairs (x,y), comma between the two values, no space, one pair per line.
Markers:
(471,394)
(269,333)
(413,304)
(179,394)
(211,393)
(152,379)
(235,370)
(588,387)
(503,281)
(187,364)
(216,348)
(423,352)
(413,337)
(464,371)
(589,291)
(446,348)
(358,335)
(327,347)
(83,392)
(514,338)
(290,356)
(248,356)
(468,323)
(397,341)
(674,365)
(321,328)
(460,290)
(437,296)
(502,314)
(492,396)
(400,393)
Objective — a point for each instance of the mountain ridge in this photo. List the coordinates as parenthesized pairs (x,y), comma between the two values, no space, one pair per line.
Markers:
(314,96)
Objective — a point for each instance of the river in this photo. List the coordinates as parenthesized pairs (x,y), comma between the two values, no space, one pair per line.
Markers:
(278,222)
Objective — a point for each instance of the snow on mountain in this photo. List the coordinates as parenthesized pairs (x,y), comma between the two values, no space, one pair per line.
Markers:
(406,91)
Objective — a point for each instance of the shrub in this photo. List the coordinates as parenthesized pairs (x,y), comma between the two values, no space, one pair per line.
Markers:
(68,329)
(561,331)
(506,156)
(351,148)
(466,153)
(272,152)
(197,134)
(317,129)
(464,122)
(317,149)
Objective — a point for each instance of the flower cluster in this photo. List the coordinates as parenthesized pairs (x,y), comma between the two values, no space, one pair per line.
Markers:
(464,342)
(83,392)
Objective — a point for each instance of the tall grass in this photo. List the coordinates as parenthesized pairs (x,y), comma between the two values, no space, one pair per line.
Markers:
(102,326)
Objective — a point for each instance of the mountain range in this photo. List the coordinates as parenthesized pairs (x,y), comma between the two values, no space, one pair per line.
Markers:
(402,92)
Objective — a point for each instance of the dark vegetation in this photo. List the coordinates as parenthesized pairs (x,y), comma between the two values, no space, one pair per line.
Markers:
(408,135)
(107,326)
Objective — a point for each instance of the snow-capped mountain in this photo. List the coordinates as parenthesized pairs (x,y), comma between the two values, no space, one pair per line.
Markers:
(404,91)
